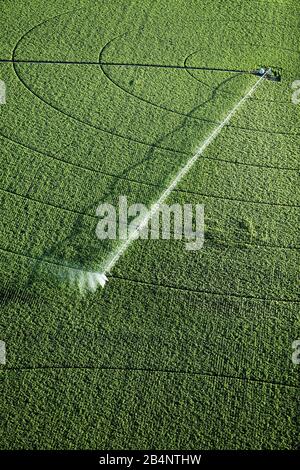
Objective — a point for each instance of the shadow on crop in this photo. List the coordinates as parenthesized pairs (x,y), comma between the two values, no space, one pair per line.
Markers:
(77,229)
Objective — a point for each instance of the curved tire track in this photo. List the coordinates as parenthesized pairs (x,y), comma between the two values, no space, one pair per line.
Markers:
(70,116)
(196,193)
(166,286)
(84,167)
(81,121)
(101,172)
(164,108)
(132,180)
(102,66)
(227,92)
(149,370)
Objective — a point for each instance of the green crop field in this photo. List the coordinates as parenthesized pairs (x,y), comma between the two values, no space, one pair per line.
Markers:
(180,349)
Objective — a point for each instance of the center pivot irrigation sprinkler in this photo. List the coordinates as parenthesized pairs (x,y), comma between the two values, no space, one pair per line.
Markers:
(90,280)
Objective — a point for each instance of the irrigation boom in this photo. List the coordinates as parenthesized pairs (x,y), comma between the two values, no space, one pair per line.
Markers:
(90,280)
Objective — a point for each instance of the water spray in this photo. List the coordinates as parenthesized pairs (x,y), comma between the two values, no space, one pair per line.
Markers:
(90,280)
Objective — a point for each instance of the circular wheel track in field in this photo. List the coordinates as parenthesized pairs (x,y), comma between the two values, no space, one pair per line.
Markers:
(188,191)
(140,98)
(214,92)
(81,121)
(95,127)
(149,370)
(259,243)
(155,185)
(101,172)
(241,296)
(218,88)
(57,109)
(227,92)
(163,285)
(142,142)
